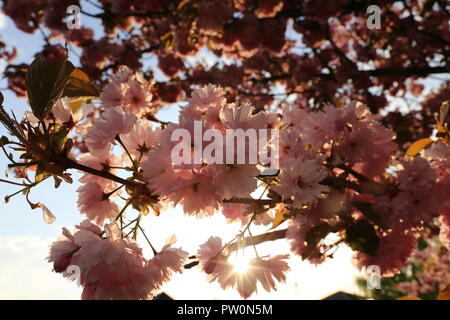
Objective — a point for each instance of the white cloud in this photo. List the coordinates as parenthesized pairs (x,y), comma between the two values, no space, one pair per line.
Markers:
(2,20)
(25,274)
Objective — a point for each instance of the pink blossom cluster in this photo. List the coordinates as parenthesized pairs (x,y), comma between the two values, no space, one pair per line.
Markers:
(128,90)
(111,265)
(265,272)
(406,195)
(421,197)
(433,271)
(200,188)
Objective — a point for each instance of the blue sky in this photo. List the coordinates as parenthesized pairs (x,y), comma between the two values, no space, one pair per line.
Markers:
(24,238)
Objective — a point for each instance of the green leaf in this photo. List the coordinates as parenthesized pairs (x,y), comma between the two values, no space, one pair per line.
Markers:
(26,155)
(46,80)
(80,88)
(11,125)
(4,141)
(366,209)
(313,237)
(422,244)
(361,236)
(67,146)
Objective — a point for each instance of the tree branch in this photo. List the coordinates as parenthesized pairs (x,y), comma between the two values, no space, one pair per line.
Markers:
(248,241)
(381,72)
(406,72)
(254,240)
(70,164)
(261,202)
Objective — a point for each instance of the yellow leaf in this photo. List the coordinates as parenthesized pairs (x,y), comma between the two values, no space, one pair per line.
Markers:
(408,298)
(444,294)
(155,209)
(443,132)
(279,216)
(79,74)
(443,112)
(80,88)
(183,3)
(76,102)
(144,210)
(417,146)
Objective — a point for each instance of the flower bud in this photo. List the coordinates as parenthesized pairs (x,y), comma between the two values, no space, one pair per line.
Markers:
(62,262)
(210,266)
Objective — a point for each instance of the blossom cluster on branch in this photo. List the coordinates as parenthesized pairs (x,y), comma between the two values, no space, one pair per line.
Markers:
(339,172)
